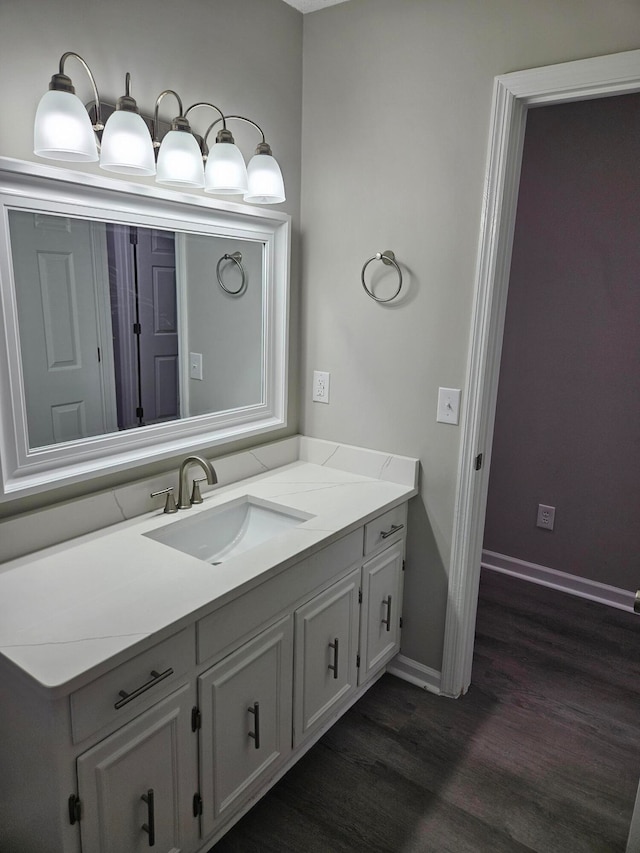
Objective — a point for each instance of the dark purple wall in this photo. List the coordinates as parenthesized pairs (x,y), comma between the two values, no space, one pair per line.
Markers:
(567,428)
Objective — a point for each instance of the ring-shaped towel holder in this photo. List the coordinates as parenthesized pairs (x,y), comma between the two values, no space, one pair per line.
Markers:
(389,259)
(236,257)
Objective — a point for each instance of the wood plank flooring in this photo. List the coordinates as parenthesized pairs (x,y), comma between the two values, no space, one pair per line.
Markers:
(541,754)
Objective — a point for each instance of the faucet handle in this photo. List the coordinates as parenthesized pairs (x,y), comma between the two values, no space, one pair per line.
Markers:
(170,504)
(196,497)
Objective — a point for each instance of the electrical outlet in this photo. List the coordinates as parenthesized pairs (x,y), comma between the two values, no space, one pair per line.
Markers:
(546,517)
(320,386)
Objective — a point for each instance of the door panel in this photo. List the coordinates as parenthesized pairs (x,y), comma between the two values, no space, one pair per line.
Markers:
(326,642)
(159,325)
(382,582)
(156,752)
(60,276)
(241,743)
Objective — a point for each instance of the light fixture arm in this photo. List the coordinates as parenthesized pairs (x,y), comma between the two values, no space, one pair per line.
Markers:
(239,118)
(62,83)
(213,107)
(179,123)
(227,136)
(126,102)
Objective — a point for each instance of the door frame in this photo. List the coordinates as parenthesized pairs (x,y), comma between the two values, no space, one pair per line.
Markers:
(513,95)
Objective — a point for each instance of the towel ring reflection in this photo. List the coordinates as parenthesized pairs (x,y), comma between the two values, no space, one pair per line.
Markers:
(236,257)
(389,259)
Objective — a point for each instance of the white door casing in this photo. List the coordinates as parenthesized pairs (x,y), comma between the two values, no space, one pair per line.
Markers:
(514,94)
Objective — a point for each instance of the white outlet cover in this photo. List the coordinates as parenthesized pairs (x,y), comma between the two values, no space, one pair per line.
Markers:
(448,406)
(320,392)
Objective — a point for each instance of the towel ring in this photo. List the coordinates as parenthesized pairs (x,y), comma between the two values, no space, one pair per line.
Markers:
(236,257)
(389,259)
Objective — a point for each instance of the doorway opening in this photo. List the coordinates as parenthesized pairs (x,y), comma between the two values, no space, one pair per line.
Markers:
(514,94)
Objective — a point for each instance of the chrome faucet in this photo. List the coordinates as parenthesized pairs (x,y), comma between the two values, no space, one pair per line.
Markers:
(207,467)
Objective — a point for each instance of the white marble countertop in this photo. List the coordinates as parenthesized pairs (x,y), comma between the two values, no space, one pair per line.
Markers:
(72,611)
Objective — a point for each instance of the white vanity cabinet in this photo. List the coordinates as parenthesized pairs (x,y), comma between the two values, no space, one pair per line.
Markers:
(382,586)
(245,718)
(137,786)
(171,746)
(326,644)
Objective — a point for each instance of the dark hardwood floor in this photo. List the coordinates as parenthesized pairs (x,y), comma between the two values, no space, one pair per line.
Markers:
(541,754)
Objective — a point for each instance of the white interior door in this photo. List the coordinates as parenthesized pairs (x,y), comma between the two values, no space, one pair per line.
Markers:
(60,271)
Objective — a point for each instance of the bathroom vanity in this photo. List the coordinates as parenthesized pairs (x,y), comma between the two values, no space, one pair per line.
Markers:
(150,697)
(156,677)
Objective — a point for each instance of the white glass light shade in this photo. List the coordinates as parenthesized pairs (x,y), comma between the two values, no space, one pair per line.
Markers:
(63,129)
(225,172)
(265,180)
(180,161)
(126,145)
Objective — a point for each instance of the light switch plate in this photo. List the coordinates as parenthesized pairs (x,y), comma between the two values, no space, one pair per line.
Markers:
(448,406)
(195,365)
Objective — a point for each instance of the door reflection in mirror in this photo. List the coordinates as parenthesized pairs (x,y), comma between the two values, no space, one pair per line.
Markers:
(144,319)
(109,315)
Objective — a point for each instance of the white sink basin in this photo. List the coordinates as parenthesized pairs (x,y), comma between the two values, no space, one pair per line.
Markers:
(225,531)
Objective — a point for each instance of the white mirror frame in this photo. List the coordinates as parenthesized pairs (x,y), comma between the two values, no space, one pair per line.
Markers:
(61,192)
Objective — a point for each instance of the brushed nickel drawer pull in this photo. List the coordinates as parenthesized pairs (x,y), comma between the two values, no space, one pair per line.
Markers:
(150,827)
(384,534)
(334,666)
(156,678)
(387,621)
(255,734)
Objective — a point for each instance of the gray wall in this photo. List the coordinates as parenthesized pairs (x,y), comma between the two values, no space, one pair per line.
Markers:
(567,430)
(396,105)
(226,330)
(243,55)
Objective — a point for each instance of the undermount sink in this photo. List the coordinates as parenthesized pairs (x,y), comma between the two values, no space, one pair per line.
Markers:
(225,531)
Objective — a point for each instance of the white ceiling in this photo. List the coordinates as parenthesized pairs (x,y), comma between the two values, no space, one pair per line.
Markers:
(305,6)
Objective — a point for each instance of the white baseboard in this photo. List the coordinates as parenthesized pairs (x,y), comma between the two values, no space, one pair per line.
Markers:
(572,584)
(416,673)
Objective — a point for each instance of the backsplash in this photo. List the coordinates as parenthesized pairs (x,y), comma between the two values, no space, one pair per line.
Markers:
(32,531)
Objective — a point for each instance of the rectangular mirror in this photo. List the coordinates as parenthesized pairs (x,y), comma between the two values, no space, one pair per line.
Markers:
(138,323)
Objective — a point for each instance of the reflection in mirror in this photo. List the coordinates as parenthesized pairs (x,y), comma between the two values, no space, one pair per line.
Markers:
(225,330)
(123,326)
(144,324)
(119,345)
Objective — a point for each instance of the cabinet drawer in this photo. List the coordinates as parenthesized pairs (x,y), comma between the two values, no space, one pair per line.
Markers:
(135,685)
(385,529)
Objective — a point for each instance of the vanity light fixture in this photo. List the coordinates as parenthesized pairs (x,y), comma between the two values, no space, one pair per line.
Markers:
(225,171)
(264,177)
(126,145)
(179,158)
(64,131)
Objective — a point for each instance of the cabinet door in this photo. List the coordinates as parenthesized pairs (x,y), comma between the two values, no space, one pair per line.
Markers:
(326,642)
(381,610)
(245,705)
(136,787)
